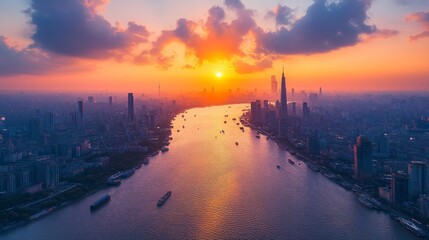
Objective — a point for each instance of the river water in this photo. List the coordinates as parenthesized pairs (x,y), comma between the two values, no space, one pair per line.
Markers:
(220,190)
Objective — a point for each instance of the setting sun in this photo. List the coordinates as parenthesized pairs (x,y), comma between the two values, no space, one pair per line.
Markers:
(219,74)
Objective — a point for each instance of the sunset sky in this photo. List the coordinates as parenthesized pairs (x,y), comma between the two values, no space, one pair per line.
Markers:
(131,45)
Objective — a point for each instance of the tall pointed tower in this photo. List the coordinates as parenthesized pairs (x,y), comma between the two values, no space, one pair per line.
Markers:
(283,108)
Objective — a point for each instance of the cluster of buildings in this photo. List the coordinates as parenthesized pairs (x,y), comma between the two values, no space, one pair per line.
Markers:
(377,141)
(44,142)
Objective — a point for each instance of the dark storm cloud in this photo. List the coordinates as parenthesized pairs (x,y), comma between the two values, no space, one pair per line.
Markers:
(326,26)
(74,28)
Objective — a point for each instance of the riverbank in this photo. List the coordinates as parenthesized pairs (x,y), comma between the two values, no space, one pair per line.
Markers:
(30,208)
(417,228)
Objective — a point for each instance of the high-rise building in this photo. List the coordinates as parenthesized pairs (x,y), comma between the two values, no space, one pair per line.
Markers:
(130,107)
(363,169)
(7,182)
(73,119)
(80,112)
(294,109)
(418,179)
(273,85)
(305,110)
(35,128)
(91,99)
(293,92)
(110,101)
(320,92)
(283,109)
(313,145)
(48,122)
(399,184)
(256,112)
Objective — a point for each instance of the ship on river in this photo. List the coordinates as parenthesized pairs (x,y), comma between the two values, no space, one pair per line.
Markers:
(100,202)
(163,199)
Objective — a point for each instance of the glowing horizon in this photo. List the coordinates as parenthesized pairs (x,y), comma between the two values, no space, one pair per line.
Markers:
(121,46)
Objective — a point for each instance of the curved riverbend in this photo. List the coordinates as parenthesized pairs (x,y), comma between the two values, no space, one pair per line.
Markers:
(220,190)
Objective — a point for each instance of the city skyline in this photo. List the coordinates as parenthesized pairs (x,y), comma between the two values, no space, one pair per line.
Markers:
(223,44)
(216,119)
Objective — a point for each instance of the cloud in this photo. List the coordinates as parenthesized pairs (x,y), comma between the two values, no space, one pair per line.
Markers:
(283,15)
(75,28)
(423,19)
(326,26)
(26,61)
(34,61)
(243,67)
(234,4)
(219,41)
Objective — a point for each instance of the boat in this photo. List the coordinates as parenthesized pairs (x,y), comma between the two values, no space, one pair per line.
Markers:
(138,166)
(241,128)
(113,182)
(362,198)
(290,161)
(146,161)
(278,167)
(154,154)
(163,199)
(183,126)
(293,152)
(178,130)
(100,202)
(226,115)
(234,119)
(164,149)
(412,227)
(236,143)
(115,176)
(224,122)
(127,173)
(257,136)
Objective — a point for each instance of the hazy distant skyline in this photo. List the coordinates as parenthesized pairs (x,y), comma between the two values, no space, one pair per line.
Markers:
(132,45)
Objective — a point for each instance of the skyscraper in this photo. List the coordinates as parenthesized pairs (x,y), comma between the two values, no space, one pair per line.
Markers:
(110,101)
(80,111)
(283,109)
(294,109)
(320,91)
(48,122)
(273,85)
(418,177)
(256,112)
(305,110)
(363,159)
(130,107)
(399,184)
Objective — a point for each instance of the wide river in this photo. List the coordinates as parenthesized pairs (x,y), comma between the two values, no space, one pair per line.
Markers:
(220,190)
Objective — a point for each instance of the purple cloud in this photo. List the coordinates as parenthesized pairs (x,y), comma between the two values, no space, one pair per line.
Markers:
(283,15)
(326,26)
(74,28)
(423,19)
